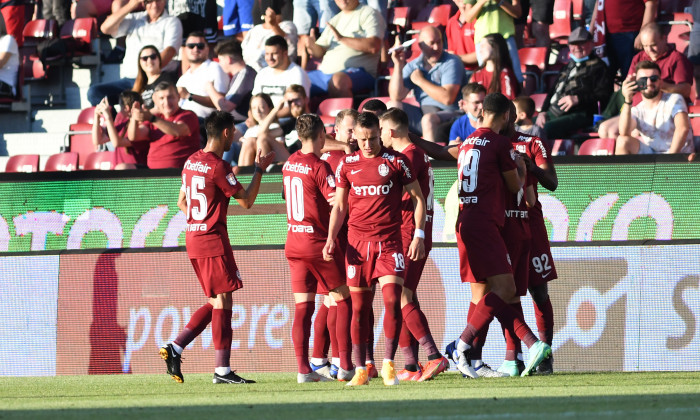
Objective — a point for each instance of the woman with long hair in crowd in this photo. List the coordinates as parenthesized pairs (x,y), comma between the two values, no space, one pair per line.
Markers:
(260,107)
(495,67)
(150,74)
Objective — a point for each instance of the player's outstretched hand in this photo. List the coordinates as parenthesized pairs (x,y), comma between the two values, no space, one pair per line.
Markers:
(417,249)
(331,199)
(328,250)
(264,161)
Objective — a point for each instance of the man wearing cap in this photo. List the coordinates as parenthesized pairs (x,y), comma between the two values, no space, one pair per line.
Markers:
(583,87)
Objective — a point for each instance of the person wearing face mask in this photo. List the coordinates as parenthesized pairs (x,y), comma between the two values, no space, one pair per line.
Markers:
(473,98)
(583,87)
(658,124)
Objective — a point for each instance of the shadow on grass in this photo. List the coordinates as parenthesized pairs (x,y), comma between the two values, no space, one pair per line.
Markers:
(671,406)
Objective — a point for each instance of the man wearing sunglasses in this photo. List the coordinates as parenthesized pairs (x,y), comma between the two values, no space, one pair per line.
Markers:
(658,124)
(194,85)
(151,27)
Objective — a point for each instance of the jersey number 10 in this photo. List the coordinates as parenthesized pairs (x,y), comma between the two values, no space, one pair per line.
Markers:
(294,194)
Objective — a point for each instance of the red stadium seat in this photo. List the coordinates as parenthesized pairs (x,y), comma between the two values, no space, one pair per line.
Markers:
(86,116)
(80,33)
(678,31)
(103,161)
(398,18)
(67,161)
(37,31)
(560,29)
(82,145)
(577,9)
(330,107)
(597,147)
(562,148)
(532,63)
(539,100)
(695,125)
(22,163)
(694,110)
(439,16)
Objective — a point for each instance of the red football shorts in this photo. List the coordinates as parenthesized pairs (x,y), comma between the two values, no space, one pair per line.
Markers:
(482,252)
(368,261)
(517,240)
(542,267)
(310,275)
(414,269)
(217,274)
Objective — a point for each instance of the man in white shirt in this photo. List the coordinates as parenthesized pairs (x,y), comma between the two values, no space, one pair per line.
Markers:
(658,124)
(152,27)
(193,85)
(280,72)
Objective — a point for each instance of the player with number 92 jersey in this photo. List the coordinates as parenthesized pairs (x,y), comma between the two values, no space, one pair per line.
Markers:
(483,158)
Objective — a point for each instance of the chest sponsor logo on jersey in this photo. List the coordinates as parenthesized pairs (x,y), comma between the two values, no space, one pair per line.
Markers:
(231,178)
(331,181)
(299,228)
(370,190)
(517,214)
(197,167)
(383,169)
(197,227)
(299,168)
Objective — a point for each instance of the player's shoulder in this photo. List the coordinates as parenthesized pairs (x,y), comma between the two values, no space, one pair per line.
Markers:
(301,163)
(202,163)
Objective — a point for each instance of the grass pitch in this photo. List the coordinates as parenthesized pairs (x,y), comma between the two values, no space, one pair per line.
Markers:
(655,395)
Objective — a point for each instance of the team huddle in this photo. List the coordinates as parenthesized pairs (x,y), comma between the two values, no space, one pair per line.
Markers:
(362,217)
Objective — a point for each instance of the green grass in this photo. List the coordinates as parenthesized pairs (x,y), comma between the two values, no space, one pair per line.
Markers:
(655,395)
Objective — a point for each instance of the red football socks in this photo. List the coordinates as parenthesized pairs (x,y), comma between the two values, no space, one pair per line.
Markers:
(321,337)
(301,331)
(416,322)
(369,348)
(359,326)
(544,315)
(513,346)
(222,335)
(391,294)
(198,322)
(332,330)
(342,328)
(492,305)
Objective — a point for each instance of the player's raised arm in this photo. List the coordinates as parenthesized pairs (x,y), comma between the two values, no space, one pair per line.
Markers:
(340,209)
(447,153)
(416,250)
(246,197)
(544,172)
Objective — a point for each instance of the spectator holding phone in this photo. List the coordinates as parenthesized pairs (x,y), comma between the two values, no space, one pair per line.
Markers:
(658,124)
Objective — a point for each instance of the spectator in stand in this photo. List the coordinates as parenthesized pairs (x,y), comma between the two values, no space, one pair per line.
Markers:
(524,112)
(495,17)
(623,20)
(280,72)
(473,95)
(542,17)
(152,27)
(96,8)
(173,132)
(13,14)
(350,48)
(583,86)
(309,14)
(193,85)
(460,37)
(676,73)
(260,107)
(237,18)
(129,155)
(694,46)
(58,10)
(375,106)
(435,77)
(237,97)
(253,44)
(495,60)
(658,124)
(9,62)
(196,15)
(150,74)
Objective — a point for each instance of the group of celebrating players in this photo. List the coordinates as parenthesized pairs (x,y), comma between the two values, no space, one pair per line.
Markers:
(365,218)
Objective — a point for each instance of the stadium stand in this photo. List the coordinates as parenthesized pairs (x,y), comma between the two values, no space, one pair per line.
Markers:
(597,147)
(103,161)
(330,107)
(67,161)
(23,163)
(563,147)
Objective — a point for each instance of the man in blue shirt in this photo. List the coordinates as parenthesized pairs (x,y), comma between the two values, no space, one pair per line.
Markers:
(472,99)
(435,77)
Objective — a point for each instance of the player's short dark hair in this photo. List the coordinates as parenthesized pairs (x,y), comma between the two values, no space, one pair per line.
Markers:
(216,122)
(647,65)
(367,120)
(196,34)
(164,86)
(472,87)
(348,112)
(128,97)
(398,117)
(229,47)
(296,89)
(496,103)
(526,104)
(309,126)
(277,41)
(375,106)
